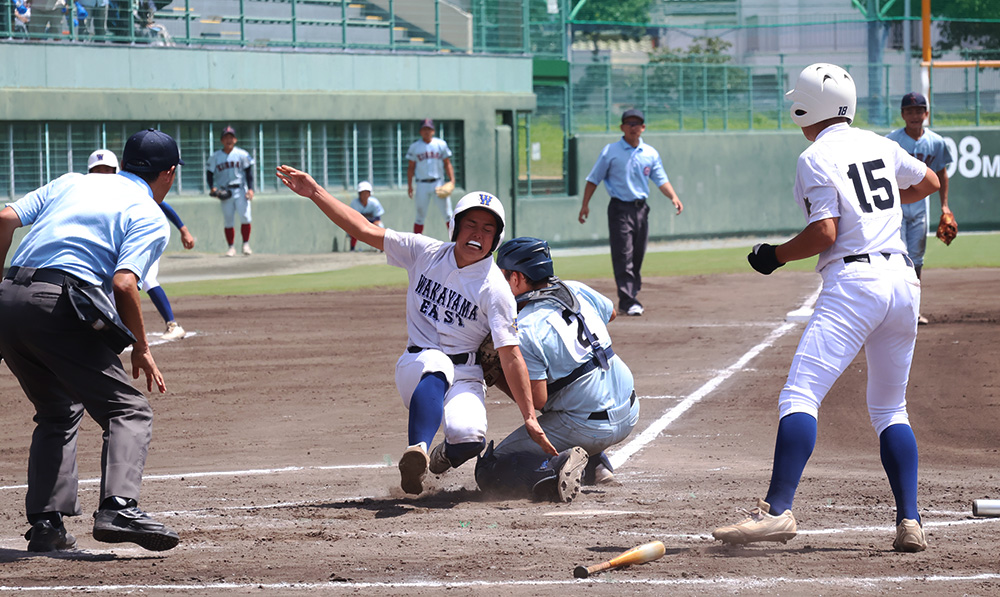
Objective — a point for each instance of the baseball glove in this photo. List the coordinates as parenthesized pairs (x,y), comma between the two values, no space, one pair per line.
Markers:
(221,194)
(947,228)
(490,360)
(445,189)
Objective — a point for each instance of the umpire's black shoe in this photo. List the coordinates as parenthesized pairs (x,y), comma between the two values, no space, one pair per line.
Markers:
(44,536)
(132,525)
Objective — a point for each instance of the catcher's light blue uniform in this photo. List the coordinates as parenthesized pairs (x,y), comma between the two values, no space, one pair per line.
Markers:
(595,411)
(930,149)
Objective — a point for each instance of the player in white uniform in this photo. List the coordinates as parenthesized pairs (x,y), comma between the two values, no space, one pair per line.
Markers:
(850,184)
(368,206)
(585,391)
(456,296)
(104,161)
(231,168)
(429,160)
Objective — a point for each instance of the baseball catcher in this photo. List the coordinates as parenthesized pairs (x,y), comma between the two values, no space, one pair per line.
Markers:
(585,392)
(947,228)
(444,191)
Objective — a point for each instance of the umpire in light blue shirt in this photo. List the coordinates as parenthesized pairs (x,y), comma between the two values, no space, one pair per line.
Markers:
(87,230)
(626,166)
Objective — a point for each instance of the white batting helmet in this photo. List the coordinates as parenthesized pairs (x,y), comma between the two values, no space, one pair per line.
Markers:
(479,200)
(102,157)
(823,91)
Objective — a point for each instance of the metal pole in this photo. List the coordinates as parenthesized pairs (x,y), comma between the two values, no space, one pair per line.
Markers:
(907,45)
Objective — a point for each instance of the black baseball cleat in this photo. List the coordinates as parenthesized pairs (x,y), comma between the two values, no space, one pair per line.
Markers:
(564,475)
(132,525)
(44,536)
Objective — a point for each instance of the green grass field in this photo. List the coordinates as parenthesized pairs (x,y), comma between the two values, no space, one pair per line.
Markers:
(968,251)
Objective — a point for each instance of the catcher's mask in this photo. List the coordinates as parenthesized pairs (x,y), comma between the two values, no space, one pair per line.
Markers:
(479,200)
(529,256)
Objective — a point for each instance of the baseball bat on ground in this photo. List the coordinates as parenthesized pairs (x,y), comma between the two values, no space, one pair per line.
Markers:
(646,552)
(986,508)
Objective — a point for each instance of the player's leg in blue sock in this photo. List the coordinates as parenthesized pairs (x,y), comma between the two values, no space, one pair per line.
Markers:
(898,447)
(427,408)
(792,449)
(161,302)
(459,453)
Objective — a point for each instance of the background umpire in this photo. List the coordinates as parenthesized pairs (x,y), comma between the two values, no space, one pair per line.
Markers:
(86,229)
(626,166)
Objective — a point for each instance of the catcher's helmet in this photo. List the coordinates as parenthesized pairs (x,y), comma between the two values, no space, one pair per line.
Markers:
(530,256)
(823,91)
(479,200)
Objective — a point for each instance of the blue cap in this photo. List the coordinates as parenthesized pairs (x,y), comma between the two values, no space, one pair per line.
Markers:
(228,131)
(913,99)
(427,124)
(150,151)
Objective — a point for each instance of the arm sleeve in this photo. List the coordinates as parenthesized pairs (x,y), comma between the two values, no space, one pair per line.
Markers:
(657,173)
(209,178)
(171,215)
(600,170)
(249,174)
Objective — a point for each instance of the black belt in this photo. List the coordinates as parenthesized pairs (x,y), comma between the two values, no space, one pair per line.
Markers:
(636,201)
(603,415)
(458,359)
(47,275)
(428,179)
(867,258)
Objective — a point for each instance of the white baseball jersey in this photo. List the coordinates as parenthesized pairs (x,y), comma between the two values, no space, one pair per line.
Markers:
(447,307)
(852,174)
(429,158)
(372,212)
(228,169)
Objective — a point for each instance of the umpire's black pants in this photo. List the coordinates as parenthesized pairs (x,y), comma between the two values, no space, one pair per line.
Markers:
(65,369)
(628,230)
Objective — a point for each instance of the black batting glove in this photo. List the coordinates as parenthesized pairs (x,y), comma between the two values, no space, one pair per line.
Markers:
(763,258)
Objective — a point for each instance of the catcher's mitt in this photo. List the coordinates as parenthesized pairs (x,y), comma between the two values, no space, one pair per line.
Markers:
(221,194)
(445,189)
(947,228)
(490,360)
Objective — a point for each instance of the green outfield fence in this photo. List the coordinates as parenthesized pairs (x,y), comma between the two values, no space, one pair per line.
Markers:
(337,154)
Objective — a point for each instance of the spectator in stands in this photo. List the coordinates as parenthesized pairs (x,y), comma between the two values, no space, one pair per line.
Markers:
(97,22)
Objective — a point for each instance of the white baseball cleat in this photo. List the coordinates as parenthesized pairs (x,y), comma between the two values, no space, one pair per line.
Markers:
(909,536)
(760,526)
(635,310)
(174,331)
(412,468)
(246,249)
(231,252)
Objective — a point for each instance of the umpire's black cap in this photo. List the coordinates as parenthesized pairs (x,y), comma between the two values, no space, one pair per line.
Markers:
(150,151)
(633,113)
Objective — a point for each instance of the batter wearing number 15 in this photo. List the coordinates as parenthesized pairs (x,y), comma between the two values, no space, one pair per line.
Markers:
(850,184)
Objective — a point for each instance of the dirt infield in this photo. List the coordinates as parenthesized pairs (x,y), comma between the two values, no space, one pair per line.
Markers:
(274,457)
